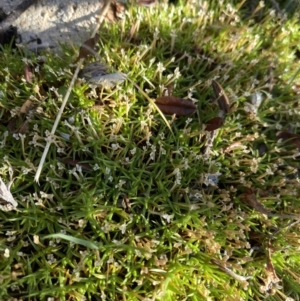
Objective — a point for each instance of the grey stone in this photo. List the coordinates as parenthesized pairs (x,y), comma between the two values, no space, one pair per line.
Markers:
(54,21)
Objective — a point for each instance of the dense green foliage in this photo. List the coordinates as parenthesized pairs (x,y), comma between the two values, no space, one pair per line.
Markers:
(129,209)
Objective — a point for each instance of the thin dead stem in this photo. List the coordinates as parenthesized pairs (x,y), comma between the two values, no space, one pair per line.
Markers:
(65,100)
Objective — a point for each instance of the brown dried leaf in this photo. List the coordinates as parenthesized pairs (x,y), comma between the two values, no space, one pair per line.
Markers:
(290,138)
(270,269)
(12,124)
(249,198)
(88,48)
(26,107)
(73,162)
(23,128)
(28,73)
(145,2)
(115,11)
(221,96)
(17,125)
(214,124)
(175,105)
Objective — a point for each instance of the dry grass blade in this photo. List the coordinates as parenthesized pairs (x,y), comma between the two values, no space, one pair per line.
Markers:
(153,103)
(221,96)
(175,105)
(242,279)
(37,175)
(7,202)
(271,282)
(289,226)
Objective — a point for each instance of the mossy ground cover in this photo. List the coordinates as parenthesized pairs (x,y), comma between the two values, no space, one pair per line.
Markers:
(129,207)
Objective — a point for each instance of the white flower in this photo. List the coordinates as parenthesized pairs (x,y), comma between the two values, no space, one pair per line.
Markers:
(81,223)
(177,73)
(212,179)
(189,120)
(168,217)
(162,151)
(156,33)
(6,253)
(120,184)
(143,124)
(16,136)
(96,167)
(106,228)
(115,146)
(123,228)
(160,67)
(173,34)
(133,151)
(185,163)
(151,62)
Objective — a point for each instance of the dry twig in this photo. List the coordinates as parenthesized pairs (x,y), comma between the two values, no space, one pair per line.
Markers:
(79,64)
